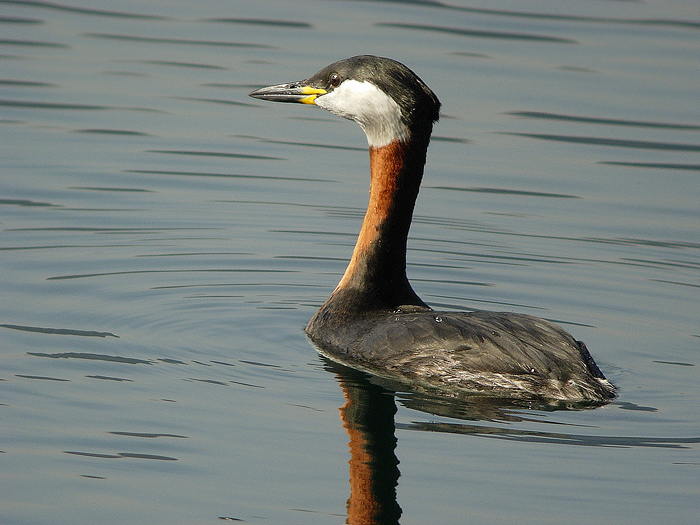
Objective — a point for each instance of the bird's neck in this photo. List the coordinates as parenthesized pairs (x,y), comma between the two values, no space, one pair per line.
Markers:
(376,275)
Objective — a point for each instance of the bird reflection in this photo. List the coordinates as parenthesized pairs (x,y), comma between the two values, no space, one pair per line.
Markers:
(368,418)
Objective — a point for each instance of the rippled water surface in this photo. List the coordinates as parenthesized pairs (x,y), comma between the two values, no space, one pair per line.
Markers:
(164,239)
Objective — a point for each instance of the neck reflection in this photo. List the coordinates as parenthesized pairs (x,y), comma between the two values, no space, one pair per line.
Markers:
(368,418)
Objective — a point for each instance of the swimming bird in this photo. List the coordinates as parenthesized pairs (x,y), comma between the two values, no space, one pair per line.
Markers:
(374,320)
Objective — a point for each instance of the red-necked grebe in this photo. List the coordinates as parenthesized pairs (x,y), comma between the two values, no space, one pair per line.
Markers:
(374,320)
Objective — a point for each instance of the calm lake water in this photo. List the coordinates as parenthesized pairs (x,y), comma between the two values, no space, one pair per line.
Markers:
(164,239)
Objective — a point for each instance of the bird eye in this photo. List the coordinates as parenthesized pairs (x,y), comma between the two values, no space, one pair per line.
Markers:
(334,80)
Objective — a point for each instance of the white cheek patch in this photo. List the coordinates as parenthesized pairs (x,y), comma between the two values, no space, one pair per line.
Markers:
(376,112)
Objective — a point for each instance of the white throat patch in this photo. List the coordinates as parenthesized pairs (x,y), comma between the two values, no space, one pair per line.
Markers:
(375,111)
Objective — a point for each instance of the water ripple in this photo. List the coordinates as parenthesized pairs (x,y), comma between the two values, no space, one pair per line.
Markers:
(215,101)
(602,141)
(109,378)
(479,33)
(31,43)
(19,20)
(147,435)
(109,231)
(661,22)
(93,357)
(303,144)
(607,121)
(58,331)
(183,41)
(43,378)
(50,105)
(102,188)
(504,191)
(27,203)
(530,436)
(221,175)
(260,22)
(192,270)
(26,83)
(113,132)
(29,104)
(687,24)
(83,10)
(453,140)
(120,455)
(213,154)
(654,165)
(175,63)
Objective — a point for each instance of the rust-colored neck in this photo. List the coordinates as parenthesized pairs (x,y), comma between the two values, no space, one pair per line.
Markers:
(377,269)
